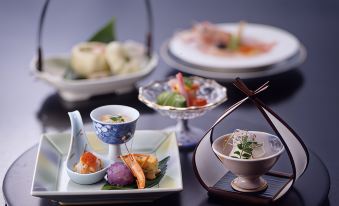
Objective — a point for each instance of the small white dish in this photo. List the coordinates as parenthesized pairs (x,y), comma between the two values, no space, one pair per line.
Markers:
(286,45)
(249,171)
(50,179)
(55,67)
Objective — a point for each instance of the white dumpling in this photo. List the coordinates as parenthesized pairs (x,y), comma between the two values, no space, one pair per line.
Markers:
(88,59)
(124,58)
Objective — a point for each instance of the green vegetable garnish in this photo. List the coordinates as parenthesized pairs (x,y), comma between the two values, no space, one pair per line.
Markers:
(149,183)
(234,43)
(235,39)
(245,146)
(106,34)
(171,99)
(117,118)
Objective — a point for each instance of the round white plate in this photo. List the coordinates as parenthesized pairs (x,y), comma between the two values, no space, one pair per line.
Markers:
(286,45)
(274,69)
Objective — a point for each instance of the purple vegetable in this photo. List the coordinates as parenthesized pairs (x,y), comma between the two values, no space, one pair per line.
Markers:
(119,174)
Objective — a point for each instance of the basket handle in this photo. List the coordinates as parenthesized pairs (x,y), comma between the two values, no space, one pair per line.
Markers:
(148,40)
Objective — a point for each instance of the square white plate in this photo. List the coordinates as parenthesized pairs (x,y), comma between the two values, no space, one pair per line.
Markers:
(51,181)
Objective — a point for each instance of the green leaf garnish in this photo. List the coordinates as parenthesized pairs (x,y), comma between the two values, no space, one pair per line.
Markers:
(117,118)
(248,150)
(245,145)
(240,146)
(163,168)
(188,82)
(149,183)
(108,186)
(246,155)
(106,34)
(237,152)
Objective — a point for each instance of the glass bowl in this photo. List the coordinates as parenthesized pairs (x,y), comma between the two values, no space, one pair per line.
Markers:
(187,136)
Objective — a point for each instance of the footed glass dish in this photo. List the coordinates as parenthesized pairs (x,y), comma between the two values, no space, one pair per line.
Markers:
(187,136)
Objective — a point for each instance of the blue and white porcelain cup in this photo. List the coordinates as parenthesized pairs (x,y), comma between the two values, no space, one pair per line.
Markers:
(115,133)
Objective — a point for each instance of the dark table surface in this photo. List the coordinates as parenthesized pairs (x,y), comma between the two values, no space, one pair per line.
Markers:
(307,98)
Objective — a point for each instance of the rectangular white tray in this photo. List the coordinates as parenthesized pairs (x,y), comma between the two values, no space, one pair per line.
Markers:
(51,181)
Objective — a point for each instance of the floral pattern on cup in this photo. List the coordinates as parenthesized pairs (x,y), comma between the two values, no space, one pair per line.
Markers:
(114,133)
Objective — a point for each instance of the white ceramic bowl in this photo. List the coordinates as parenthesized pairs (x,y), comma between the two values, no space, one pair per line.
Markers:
(249,171)
(55,67)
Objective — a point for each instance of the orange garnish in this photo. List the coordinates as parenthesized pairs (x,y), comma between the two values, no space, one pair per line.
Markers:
(246,49)
(195,86)
(88,159)
(199,102)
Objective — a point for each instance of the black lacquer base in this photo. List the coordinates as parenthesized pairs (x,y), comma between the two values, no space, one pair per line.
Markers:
(276,182)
